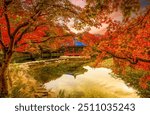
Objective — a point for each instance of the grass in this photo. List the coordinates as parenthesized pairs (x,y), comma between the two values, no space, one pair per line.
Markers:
(23,86)
(131,77)
(84,94)
(93,92)
(21,58)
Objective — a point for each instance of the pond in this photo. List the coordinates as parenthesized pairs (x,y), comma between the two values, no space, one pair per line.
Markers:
(95,82)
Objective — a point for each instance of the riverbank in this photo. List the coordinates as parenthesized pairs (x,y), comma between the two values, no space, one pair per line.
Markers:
(130,76)
(29,78)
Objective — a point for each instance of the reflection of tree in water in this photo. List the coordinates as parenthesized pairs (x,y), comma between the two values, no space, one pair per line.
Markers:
(92,83)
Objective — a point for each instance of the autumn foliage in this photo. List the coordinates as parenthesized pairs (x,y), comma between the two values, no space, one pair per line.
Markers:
(27,24)
(127,42)
(130,42)
(23,45)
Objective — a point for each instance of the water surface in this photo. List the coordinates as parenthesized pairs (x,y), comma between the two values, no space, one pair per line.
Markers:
(96,82)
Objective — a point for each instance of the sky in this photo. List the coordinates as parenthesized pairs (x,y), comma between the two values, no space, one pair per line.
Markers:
(94,30)
(80,3)
(116,15)
(144,3)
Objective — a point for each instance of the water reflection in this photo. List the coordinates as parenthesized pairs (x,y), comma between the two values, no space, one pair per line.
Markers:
(96,82)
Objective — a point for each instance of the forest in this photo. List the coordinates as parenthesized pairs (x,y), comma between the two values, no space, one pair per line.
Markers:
(41,40)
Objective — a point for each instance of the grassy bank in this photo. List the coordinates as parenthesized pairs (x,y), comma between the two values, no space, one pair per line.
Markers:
(22,85)
(131,77)
(26,78)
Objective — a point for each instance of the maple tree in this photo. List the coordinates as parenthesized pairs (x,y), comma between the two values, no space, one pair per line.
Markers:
(24,22)
(127,42)
(130,41)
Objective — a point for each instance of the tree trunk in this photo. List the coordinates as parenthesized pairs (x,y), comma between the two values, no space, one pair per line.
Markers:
(41,52)
(32,58)
(4,76)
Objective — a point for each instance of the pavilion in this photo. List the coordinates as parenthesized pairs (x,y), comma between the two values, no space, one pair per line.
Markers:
(74,49)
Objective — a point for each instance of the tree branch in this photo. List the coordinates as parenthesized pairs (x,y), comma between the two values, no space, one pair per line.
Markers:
(1,42)
(124,58)
(73,12)
(143,60)
(19,27)
(131,60)
(3,46)
(51,38)
(139,22)
(26,30)
(46,39)
(21,35)
(26,23)
(8,26)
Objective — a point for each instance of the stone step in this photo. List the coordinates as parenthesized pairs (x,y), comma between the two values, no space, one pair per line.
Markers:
(41,92)
(40,88)
(40,96)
